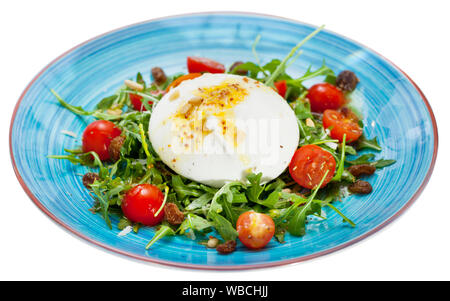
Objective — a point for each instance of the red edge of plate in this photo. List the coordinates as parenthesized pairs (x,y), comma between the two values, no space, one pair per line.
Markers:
(240,267)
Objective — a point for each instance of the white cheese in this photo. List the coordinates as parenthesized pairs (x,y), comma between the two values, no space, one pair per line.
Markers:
(239,126)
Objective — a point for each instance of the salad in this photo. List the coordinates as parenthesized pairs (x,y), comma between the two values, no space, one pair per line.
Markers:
(179,153)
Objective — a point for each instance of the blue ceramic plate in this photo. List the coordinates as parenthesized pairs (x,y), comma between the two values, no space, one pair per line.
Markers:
(395,110)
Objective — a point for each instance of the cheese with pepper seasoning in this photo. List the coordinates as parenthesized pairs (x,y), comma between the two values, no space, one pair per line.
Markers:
(217,128)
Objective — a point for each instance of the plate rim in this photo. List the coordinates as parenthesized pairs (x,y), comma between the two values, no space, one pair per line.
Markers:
(114,250)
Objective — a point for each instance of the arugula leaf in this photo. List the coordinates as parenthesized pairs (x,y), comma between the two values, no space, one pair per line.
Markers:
(252,68)
(150,159)
(223,226)
(78,157)
(239,198)
(286,213)
(152,175)
(199,202)
(106,102)
(297,224)
(383,163)
(342,215)
(340,169)
(272,65)
(282,66)
(303,110)
(347,176)
(207,207)
(254,189)
(280,232)
(277,184)
(75,109)
(331,79)
(74,159)
(366,159)
(123,223)
(103,202)
(208,189)
(140,79)
(80,111)
(192,223)
(350,150)
(363,159)
(162,232)
(183,190)
(231,215)
(255,54)
(363,142)
(272,199)
(224,191)
(322,71)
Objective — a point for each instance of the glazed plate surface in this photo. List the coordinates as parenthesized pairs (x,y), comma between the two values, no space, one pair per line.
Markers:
(394,108)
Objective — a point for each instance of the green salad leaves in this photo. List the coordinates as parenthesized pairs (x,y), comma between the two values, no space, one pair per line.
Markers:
(206,208)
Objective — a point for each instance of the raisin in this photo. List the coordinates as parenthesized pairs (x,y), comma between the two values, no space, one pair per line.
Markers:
(114,148)
(347,81)
(90,178)
(360,187)
(362,169)
(172,214)
(159,77)
(226,248)
(240,72)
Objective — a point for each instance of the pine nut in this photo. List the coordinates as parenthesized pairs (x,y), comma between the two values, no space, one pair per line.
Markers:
(133,85)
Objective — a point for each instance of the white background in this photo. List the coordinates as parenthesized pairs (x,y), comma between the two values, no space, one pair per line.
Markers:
(413,34)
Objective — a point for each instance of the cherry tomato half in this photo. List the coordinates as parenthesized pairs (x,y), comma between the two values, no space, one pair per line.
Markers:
(309,165)
(136,101)
(325,96)
(181,79)
(281,87)
(255,229)
(201,64)
(98,135)
(341,125)
(141,203)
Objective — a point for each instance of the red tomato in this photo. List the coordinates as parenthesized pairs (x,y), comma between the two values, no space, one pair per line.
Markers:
(340,125)
(325,96)
(201,64)
(181,79)
(281,87)
(136,101)
(98,135)
(255,229)
(141,203)
(309,165)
